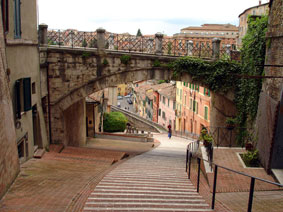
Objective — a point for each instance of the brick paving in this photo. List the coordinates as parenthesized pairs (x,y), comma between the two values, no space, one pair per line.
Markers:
(232,188)
(60,181)
(228,181)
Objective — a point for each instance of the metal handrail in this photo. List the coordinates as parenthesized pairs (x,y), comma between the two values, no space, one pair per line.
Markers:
(252,184)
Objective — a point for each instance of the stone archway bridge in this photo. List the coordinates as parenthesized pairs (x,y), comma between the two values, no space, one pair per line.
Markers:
(73,72)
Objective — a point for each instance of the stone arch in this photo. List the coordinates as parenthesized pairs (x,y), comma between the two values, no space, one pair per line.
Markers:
(76,73)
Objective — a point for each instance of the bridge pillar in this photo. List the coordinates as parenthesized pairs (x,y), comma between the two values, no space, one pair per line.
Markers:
(42,34)
(100,39)
(158,43)
(215,48)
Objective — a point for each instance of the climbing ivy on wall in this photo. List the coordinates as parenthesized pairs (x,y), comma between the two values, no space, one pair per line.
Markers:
(223,75)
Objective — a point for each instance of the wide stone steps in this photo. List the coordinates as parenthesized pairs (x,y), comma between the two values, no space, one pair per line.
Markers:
(141,184)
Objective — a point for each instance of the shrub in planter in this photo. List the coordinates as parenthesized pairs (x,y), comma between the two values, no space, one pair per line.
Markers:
(114,122)
(206,138)
(251,158)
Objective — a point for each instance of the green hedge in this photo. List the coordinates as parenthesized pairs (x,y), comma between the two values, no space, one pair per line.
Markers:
(114,122)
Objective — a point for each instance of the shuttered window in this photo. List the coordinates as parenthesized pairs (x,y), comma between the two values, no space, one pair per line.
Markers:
(17,17)
(23,96)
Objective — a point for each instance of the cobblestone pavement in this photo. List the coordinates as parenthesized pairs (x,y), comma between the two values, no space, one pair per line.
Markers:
(60,181)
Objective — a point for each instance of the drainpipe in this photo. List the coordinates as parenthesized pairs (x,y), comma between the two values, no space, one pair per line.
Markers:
(49,106)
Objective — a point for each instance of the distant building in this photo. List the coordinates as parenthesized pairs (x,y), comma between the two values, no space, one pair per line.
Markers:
(167,106)
(193,106)
(261,9)
(203,35)
(157,101)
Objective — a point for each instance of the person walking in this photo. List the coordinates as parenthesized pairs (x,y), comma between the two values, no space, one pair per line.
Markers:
(169,131)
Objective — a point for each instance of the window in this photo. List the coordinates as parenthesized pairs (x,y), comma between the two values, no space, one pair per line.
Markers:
(154,98)
(33,88)
(185,98)
(205,112)
(163,100)
(174,105)
(181,94)
(18,31)
(159,112)
(5,14)
(23,96)
(195,107)
(191,103)
(177,91)
(168,102)
(163,115)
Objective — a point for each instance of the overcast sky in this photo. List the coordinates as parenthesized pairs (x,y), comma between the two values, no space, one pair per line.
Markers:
(151,16)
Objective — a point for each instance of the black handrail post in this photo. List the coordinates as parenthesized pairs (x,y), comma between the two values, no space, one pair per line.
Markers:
(187,155)
(214,187)
(190,160)
(251,194)
(198,175)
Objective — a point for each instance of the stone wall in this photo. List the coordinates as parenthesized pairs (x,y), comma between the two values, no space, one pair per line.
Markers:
(272,88)
(9,163)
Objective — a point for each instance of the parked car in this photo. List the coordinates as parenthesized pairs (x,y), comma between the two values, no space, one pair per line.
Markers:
(119,104)
(129,101)
(120,97)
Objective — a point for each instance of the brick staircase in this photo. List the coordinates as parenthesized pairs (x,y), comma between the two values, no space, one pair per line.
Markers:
(148,182)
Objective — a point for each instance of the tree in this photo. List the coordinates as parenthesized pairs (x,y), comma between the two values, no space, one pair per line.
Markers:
(139,33)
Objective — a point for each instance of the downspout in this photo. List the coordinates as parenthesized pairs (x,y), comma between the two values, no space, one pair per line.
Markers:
(49,106)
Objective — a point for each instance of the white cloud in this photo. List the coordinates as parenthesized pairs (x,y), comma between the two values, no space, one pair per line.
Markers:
(150,16)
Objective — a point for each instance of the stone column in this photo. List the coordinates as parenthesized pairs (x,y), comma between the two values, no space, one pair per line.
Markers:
(228,50)
(111,42)
(190,46)
(158,43)
(100,39)
(216,48)
(42,34)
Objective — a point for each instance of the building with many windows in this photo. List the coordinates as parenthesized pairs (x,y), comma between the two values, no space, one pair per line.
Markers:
(192,108)
(167,105)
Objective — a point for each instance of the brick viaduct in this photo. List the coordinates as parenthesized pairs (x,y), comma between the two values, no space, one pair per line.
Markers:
(74,73)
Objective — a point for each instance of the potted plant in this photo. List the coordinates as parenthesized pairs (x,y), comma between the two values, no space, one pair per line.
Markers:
(230,123)
(206,138)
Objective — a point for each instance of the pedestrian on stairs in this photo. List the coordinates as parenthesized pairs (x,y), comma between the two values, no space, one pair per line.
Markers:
(169,131)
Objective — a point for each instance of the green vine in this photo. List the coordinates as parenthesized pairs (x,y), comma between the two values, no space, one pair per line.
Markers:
(218,76)
(125,59)
(222,75)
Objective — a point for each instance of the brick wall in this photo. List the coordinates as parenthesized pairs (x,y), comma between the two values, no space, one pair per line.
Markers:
(271,89)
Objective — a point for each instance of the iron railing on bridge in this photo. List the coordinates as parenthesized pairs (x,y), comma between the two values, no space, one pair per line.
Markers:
(145,44)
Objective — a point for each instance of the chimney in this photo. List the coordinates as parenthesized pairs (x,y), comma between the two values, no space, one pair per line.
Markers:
(259,2)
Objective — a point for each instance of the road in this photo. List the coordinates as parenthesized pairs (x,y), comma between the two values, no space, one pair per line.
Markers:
(125,105)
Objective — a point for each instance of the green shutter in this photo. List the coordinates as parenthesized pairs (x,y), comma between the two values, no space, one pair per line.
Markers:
(27,94)
(190,85)
(205,113)
(208,92)
(18,98)
(203,91)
